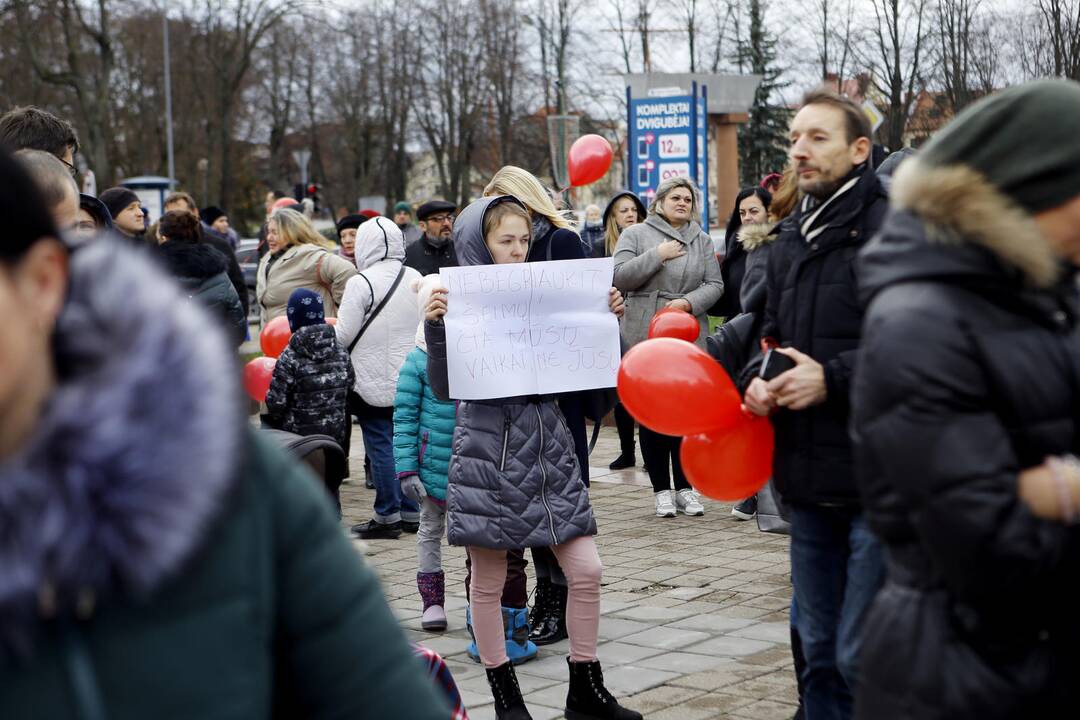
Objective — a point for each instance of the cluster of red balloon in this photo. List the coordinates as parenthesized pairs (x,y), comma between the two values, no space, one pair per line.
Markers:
(273,339)
(674,387)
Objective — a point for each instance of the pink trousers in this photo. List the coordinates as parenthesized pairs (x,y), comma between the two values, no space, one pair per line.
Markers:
(580,562)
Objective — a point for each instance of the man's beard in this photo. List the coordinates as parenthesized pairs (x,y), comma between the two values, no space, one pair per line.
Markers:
(822,188)
(438,240)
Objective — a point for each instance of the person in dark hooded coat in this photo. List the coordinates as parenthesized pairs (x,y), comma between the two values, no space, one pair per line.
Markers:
(966,413)
(201,271)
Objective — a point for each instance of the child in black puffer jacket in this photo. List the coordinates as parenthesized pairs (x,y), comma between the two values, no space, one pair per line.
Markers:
(311,381)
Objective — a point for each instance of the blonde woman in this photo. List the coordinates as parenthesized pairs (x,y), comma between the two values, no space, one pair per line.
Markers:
(297,258)
(667,261)
(554,237)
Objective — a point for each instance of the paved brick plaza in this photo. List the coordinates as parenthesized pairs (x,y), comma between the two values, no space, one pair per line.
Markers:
(694,610)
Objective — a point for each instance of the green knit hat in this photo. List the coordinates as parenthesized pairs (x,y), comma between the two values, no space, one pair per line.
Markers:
(403,207)
(1023,140)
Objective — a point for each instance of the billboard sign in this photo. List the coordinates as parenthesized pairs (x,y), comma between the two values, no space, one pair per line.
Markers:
(668,138)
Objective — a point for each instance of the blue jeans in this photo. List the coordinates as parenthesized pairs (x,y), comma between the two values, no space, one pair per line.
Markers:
(390,505)
(837,567)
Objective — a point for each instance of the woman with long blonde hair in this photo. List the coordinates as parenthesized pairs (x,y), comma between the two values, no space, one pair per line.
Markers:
(298,258)
(554,237)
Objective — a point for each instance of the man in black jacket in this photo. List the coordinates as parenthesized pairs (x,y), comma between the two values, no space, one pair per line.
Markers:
(434,249)
(812,314)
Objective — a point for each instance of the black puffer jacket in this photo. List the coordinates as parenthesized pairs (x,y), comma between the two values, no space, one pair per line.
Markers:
(201,272)
(812,305)
(968,373)
(311,385)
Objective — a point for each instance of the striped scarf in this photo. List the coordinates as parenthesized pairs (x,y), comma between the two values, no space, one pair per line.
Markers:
(815,218)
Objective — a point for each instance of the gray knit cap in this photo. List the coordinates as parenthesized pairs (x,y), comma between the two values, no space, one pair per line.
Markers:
(1024,140)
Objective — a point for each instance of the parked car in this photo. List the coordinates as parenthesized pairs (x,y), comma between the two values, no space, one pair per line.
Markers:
(247,254)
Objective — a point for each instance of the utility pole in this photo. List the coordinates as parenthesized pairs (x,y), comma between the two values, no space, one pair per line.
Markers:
(168,99)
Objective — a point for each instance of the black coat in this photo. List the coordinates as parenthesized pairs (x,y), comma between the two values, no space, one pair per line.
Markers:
(200,270)
(232,265)
(732,269)
(310,387)
(812,305)
(426,258)
(968,373)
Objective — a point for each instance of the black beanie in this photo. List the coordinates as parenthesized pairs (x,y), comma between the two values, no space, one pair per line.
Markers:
(1023,140)
(350,222)
(117,199)
(209,214)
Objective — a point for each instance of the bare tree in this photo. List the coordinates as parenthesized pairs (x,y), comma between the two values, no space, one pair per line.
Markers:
(87,75)
(723,11)
(277,65)
(503,67)
(618,23)
(452,95)
(1061,25)
(894,52)
(229,33)
(833,37)
(955,21)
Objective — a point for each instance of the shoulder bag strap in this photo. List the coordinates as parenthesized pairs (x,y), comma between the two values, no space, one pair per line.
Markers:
(378,308)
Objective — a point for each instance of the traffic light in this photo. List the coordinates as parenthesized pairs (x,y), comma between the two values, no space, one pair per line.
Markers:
(313,193)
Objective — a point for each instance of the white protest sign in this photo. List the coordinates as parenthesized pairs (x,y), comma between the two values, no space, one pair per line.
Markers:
(530,328)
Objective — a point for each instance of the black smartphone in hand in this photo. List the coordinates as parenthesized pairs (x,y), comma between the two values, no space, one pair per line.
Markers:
(775,364)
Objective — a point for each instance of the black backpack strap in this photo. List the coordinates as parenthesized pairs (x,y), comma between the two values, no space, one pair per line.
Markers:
(375,313)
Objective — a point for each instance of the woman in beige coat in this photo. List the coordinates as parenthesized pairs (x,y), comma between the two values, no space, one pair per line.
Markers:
(667,261)
(297,259)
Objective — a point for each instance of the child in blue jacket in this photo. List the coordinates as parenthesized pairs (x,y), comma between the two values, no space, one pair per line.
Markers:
(423,431)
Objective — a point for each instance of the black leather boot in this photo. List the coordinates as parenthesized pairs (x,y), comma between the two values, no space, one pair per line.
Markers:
(551,626)
(504,688)
(539,610)
(588,699)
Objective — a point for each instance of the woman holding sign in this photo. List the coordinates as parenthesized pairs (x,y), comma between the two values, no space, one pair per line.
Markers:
(515,482)
(667,261)
(553,238)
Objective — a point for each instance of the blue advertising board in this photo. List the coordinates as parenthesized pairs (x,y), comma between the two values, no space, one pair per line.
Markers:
(668,137)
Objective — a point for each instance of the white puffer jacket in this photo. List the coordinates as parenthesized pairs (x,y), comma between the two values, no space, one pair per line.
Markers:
(377,358)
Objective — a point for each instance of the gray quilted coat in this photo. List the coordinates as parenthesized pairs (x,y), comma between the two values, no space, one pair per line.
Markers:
(514,479)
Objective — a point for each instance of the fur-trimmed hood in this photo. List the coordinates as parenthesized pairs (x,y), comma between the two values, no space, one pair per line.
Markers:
(751,237)
(135,453)
(950,222)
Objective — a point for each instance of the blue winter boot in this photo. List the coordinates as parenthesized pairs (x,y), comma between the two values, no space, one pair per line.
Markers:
(471,650)
(519,648)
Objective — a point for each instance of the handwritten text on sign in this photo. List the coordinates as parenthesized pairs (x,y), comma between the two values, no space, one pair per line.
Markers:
(530,328)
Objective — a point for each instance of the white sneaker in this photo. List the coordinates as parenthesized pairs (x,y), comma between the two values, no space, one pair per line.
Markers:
(687,502)
(664,507)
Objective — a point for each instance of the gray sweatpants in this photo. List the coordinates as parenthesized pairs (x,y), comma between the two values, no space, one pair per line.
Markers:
(429,536)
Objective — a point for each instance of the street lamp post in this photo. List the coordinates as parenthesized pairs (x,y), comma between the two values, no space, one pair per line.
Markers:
(168,100)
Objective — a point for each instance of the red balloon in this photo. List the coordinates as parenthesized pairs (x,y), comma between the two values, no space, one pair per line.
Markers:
(275,336)
(589,160)
(675,388)
(730,464)
(674,324)
(257,375)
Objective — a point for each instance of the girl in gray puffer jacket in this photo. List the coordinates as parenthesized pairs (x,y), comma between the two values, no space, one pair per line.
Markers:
(515,482)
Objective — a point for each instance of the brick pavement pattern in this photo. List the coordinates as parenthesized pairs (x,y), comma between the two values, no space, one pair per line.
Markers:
(694,611)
